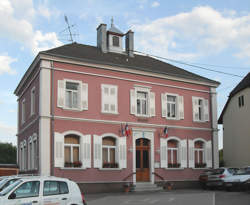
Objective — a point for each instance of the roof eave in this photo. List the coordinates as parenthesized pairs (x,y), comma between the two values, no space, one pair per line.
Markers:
(212,83)
(27,73)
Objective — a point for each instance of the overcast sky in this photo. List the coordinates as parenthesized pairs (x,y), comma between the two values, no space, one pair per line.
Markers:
(208,32)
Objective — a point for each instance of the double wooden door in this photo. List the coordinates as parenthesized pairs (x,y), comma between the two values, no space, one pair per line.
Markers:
(142,160)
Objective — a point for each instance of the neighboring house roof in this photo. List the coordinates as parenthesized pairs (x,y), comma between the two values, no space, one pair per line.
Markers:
(245,83)
(93,54)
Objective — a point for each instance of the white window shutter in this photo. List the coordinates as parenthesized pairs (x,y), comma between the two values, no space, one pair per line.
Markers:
(209,153)
(195,102)
(132,102)
(191,153)
(85,149)
(60,93)
(84,96)
(123,152)
(164,153)
(152,104)
(181,107)
(58,149)
(183,153)
(113,99)
(163,105)
(206,110)
(97,151)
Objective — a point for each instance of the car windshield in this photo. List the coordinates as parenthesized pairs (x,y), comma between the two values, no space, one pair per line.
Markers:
(7,183)
(9,188)
(3,182)
(242,171)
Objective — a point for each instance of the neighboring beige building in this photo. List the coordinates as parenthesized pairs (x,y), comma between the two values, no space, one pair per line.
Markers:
(235,118)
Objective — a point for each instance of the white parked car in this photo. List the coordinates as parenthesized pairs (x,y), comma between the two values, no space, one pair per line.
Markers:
(42,190)
(240,180)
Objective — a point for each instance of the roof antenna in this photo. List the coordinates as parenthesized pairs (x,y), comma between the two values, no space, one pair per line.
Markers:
(112,21)
(69,27)
(66,20)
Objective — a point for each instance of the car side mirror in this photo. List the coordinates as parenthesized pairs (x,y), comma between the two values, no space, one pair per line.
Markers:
(12,196)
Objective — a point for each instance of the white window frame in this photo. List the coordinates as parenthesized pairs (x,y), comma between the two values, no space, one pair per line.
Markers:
(176,106)
(32,101)
(34,152)
(201,109)
(30,154)
(147,91)
(198,150)
(71,146)
(172,149)
(24,155)
(203,149)
(78,94)
(109,87)
(23,111)
(108,147)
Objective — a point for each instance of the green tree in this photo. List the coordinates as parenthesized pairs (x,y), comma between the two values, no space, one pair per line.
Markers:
(7,153)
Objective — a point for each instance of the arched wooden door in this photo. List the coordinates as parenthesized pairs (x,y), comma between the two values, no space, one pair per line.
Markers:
(142,160)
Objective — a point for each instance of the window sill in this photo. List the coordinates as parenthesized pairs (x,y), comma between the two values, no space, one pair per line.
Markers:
(110,169)
(142,116)
(73,168)
(110,113)
(169,118)
(175,168)
(201,168)
(72,109)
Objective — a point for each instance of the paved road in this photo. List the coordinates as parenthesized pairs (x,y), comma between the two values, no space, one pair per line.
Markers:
(178,197)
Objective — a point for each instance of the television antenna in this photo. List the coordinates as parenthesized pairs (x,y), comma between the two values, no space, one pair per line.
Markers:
(68,29)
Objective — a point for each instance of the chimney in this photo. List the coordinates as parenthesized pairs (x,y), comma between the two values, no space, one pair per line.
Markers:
(130,43)
(102,37)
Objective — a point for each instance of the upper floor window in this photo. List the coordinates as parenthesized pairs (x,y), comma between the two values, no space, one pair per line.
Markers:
(142,102)
(23,111)
(200,109)
(32,101)
(241,101)
(172,106)
(116,41)
(109,99)
(72,94)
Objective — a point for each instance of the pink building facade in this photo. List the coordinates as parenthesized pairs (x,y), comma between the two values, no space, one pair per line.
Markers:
(106,115)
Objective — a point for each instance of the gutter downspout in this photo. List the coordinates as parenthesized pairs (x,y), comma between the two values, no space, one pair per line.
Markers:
(52,119)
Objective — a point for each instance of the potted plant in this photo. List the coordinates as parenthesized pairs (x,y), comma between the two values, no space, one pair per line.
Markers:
(68,164)
(77,164)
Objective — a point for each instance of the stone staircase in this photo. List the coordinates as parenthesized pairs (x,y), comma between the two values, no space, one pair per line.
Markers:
(146,186)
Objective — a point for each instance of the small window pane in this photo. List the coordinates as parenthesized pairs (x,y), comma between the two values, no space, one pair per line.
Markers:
(75,101)
(28,189)
(63,188)
(51,188)
(112,155)
(138,106)
(145,159)
(71,139)
(67,156)
(105,155)
(108,141)
(115,41)
(75,154)
(138,159)
(71,86)
(144,107)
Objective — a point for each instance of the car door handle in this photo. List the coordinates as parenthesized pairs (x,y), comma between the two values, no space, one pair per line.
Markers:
(34,202)
(64,198)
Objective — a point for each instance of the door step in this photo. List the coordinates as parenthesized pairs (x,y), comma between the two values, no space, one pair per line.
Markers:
(146,186)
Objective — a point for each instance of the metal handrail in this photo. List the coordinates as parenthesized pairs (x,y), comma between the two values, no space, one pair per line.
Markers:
(131,174)
(158,175)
